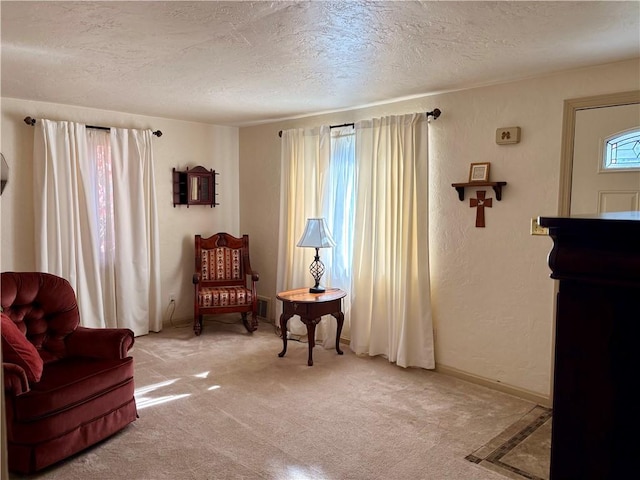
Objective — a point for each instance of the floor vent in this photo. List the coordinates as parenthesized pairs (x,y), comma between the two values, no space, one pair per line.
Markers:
(264,307)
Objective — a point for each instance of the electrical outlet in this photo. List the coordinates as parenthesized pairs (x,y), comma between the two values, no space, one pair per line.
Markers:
(536,229)
(172,297)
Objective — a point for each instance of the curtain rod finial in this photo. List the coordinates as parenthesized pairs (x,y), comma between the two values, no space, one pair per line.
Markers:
(30,121)
(435,113)
(157,133)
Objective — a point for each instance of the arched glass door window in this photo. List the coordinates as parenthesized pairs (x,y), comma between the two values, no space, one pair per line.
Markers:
(622,151)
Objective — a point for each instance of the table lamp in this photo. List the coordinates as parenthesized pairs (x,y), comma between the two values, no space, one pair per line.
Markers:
(316,235)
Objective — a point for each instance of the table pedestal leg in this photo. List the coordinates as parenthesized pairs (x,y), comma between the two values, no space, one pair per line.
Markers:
(311,336)
(284,318)
(339,316)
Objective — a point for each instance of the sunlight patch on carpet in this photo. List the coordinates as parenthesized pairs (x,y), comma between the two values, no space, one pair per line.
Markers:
(154,386)
(145,400)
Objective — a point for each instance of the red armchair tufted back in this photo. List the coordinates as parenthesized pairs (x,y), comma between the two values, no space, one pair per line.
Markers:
(43,306)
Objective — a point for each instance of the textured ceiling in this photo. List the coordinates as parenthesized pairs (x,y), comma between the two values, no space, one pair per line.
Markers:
(239,63)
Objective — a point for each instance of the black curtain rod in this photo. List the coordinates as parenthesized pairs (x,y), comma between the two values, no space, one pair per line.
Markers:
(95,127)
(32,121)
(435,113)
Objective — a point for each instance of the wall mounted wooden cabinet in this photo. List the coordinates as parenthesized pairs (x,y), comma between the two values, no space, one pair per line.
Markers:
(194,187)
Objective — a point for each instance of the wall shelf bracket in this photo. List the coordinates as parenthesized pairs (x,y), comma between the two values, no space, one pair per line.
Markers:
(497,187)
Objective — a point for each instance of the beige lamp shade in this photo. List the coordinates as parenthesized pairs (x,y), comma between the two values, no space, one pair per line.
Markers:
(316,235)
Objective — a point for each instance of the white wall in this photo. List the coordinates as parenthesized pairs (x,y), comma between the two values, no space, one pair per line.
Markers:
(183,144)
(492,296)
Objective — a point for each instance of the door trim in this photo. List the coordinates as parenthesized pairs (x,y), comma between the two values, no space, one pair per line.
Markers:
(572,106)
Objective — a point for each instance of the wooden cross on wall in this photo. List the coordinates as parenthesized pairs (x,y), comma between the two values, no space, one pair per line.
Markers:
(480,203)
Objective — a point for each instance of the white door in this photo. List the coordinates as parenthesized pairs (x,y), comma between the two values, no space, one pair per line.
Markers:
(595,189)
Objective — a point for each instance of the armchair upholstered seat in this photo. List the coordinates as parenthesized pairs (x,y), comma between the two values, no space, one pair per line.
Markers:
(67,387)
(223,280)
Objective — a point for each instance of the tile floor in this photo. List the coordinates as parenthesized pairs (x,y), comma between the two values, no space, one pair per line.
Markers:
(521,451)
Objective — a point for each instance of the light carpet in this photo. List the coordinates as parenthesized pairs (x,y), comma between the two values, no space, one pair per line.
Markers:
(224,406)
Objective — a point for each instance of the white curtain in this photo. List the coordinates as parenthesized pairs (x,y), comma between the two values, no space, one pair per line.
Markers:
(96,221)
(305,157)
(390,303)
(65,222)
(137,254)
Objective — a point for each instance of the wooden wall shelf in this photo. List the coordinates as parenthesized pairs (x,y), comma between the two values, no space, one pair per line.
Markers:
(497,187)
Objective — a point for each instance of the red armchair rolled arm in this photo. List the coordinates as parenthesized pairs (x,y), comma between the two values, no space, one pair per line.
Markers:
(85,392)
(100,342)
(15,379)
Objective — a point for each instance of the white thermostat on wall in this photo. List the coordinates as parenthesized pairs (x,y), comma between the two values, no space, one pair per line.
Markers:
(507,135)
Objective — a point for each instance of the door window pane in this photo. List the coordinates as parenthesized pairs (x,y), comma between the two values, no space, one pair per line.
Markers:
(622,151)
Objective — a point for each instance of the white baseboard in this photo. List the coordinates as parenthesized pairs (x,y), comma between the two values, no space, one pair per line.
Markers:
(542,400)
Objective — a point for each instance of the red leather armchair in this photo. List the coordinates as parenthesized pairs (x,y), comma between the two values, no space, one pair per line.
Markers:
(66,386)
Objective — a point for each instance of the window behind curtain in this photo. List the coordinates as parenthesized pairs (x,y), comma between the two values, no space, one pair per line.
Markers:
(99,151)
(339,204)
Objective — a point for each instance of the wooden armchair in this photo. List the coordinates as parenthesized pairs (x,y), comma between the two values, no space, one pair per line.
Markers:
(224,281)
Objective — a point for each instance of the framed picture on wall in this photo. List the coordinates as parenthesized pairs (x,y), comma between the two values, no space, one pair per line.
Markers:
(479,172)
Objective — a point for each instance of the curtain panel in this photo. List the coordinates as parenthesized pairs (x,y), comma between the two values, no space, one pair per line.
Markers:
(137,250)
(391,303)
(96,221)
(65,217)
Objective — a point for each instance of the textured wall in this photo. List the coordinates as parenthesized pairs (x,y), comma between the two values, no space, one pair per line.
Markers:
(182,144)
(493,300)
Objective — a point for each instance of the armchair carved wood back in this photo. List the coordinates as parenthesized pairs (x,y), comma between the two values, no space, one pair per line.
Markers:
(224,280)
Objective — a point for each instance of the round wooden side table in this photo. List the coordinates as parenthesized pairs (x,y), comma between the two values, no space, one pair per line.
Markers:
(310,307)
